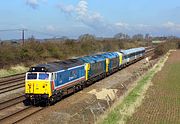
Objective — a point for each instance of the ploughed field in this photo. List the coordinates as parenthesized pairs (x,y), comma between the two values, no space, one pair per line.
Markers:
(162,100)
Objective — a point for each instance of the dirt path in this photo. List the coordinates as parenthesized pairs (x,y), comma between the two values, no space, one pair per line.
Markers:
(162,101)
(87,105)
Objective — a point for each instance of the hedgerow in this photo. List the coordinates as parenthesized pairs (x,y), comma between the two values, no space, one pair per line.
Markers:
(34,51)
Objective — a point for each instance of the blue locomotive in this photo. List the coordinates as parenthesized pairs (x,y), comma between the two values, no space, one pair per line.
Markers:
(49,82)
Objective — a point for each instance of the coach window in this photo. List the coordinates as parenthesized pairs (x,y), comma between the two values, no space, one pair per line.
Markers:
(134,54)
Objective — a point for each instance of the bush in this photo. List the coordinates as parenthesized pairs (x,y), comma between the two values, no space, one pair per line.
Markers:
(163,48)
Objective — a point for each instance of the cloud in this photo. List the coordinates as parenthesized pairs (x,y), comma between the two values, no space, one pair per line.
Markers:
(90,18)
(171,26)
(82,8)
(94,22)
(81,13)
(121,25)
(132,28)
(50,28)
(33,3)
(142,25)
(66,9)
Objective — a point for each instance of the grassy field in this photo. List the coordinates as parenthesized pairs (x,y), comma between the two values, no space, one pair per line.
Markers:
(123,110)
(162,101)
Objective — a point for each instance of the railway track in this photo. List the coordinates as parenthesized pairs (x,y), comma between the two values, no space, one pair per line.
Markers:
(11,87)
(149,51)
(10,76)
(11,102)
(11,79)
(13,110)
(8,84)
(19,114)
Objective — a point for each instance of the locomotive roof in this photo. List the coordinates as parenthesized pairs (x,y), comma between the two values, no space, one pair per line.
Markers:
(57,66)
(129,51)
(92,59)
(109,55)
(98,57)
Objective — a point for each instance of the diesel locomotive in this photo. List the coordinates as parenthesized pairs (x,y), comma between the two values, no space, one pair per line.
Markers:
(48,83)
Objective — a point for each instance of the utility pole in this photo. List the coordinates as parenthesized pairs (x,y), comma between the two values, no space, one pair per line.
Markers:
(23,36)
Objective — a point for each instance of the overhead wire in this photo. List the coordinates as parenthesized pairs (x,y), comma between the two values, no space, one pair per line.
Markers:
(31,31)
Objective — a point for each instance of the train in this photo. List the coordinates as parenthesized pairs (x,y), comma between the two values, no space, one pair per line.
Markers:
(48,83)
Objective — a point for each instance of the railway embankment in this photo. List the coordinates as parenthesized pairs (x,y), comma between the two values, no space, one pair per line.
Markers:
(125,107)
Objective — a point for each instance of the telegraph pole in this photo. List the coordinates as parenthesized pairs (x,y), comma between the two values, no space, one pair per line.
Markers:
(23,36)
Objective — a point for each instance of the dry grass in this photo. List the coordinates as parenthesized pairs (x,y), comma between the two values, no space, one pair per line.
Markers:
(13,70)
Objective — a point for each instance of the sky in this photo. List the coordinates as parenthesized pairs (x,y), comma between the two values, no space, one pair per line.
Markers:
(102,18)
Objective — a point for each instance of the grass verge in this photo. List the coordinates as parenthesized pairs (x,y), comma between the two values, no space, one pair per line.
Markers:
(13,70)
(122,110)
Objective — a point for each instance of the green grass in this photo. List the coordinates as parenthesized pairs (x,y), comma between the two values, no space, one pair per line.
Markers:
(123,110)
(13,70)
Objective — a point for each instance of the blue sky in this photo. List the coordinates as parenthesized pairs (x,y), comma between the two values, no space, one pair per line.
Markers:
(99,17)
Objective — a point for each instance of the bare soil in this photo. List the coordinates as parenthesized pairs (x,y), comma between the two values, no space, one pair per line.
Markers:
(162,101)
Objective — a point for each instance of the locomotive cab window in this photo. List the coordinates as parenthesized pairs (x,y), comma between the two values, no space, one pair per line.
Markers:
(43,76)
(54,75)
(32,76)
